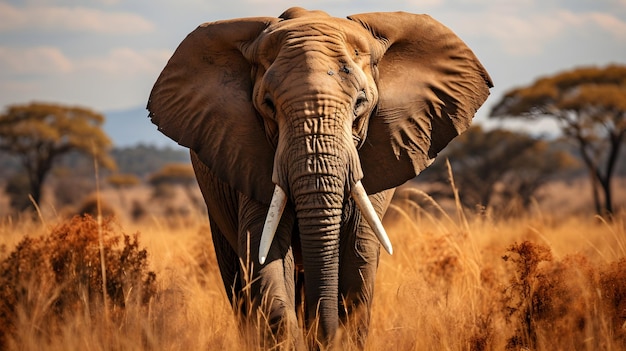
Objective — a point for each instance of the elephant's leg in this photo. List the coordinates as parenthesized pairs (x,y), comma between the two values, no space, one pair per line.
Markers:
(359,252)
(269,289)
(228,263)
(223,207)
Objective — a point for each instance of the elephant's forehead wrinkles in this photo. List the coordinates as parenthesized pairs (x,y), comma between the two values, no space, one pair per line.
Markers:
(321,48)
(304,28)
(304,35)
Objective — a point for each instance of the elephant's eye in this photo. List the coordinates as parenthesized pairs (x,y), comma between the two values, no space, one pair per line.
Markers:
(360,103)
(269,104)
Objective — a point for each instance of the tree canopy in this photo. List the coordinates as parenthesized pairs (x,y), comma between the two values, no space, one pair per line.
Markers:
(174,173)
(39,133)
(498,169)
(589,104)
(586,89)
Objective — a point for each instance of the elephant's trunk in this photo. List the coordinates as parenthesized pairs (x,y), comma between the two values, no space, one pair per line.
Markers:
(319,219)
(321,167)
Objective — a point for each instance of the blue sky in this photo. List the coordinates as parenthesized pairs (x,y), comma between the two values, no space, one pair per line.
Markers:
(106,54)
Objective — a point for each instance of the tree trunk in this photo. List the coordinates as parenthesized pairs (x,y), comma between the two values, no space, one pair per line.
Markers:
(35,182)
(594,173)
(616,142)
(608,201)
(595,184)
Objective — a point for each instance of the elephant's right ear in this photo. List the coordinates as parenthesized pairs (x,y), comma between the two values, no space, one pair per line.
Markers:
(202,100)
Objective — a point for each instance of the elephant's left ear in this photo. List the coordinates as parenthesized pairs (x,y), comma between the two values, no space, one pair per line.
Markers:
(430,86)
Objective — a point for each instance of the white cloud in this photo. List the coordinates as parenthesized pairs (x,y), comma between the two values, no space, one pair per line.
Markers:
(609,23)
(118,79)
(127,61)
(71,19)
(10,17)
(36,60)
(529,35)
(516,35)
(48,60)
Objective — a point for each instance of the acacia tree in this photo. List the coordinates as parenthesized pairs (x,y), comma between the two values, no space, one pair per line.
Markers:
(589,105)
(497,168)
(39,133)
(173,174)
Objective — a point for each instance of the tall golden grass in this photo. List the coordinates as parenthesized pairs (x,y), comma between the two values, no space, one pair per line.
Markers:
(455,282)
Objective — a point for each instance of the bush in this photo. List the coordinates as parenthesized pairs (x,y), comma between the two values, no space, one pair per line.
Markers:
(568,302)
(613,288)
(48,278)
(93,205)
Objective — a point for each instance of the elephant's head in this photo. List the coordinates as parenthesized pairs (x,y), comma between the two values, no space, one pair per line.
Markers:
(314,106)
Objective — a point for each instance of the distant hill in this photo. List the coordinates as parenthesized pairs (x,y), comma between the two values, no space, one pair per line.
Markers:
(143,160)
(132,127)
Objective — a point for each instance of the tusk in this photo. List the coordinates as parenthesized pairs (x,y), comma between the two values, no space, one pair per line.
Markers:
(277,206)
(363,202)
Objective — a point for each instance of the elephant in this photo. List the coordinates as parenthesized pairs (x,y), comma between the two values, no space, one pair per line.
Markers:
(299,128)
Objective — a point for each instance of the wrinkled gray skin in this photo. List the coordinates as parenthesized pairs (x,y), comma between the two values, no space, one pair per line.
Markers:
(313,104)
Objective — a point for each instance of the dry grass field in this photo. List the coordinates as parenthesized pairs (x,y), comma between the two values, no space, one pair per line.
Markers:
(455,282)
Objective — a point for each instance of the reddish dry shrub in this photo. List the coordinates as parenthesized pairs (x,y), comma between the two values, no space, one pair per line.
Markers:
(556,304)
(518,296)
(60,274)
(613,288)
(482,333)
(564,303)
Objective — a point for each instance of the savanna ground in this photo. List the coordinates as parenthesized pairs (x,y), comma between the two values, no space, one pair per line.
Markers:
(457,281)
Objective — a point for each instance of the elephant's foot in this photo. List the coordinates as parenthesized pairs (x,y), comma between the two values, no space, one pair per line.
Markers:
(355,321)
(274,328)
